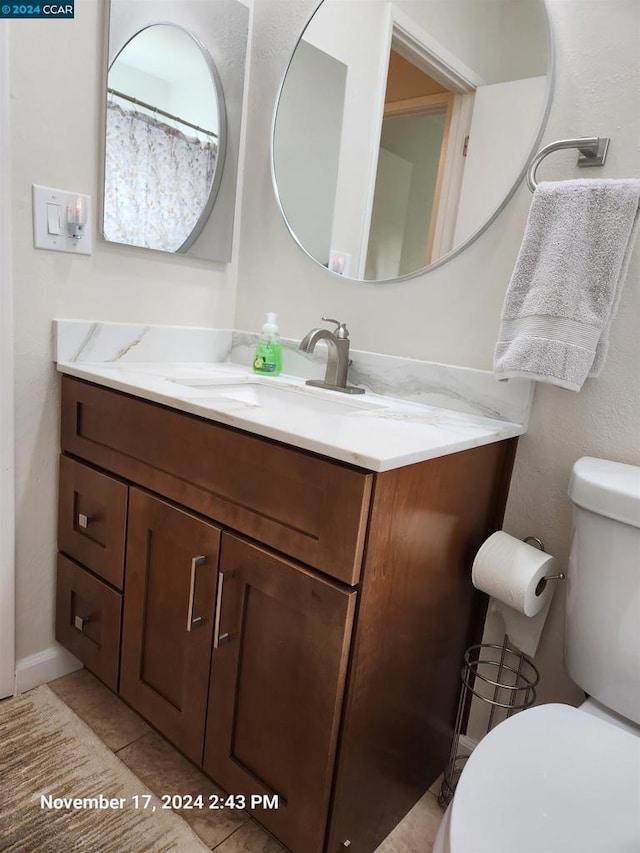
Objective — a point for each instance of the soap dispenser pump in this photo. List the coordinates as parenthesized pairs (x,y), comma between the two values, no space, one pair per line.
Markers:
(268,357)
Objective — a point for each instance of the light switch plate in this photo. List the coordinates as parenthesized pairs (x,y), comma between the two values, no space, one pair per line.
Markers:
(46,220)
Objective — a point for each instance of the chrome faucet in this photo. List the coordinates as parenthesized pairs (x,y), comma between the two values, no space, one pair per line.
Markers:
(335,377)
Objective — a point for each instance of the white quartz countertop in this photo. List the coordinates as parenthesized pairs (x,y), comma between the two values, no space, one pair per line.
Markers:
(369,430)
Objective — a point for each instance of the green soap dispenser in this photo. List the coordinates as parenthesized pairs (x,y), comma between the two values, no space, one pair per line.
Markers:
(268,357)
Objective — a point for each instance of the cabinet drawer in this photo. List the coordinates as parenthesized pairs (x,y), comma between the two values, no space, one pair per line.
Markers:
(88,618)
(92,519)
(303,505)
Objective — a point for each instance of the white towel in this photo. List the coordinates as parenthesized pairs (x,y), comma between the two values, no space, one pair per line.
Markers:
(567,281)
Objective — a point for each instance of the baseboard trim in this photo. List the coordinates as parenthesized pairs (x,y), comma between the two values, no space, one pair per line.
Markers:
(45,666)
(468,743)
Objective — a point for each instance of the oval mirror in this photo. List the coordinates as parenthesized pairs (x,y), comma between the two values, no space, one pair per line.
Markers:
(402,128)
(165,140)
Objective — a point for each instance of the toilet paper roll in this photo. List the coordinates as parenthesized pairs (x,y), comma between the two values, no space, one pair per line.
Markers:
(524,632)
(513,573)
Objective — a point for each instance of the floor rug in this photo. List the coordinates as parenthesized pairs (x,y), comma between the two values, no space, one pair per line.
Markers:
(62,790)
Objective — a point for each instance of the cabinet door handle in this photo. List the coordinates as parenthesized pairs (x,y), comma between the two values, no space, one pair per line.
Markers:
(80,621)
(217,636)
(196,562)
(84,520)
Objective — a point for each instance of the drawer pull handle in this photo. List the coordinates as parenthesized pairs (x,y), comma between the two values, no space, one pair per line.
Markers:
(217,636)
(84,520)
(196,562)
(80,622)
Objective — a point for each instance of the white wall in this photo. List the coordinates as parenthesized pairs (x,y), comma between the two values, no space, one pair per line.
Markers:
(307,146)
(358,35)
(505,123)
(146,87)
(418,141)
(403,319)
(56,118)
(7,576)
(166,68)
(597,93)
(193,100)
(471,29)
(452,314)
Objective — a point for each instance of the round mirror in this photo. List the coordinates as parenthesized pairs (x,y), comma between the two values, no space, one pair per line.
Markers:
(402,128)
(165,140)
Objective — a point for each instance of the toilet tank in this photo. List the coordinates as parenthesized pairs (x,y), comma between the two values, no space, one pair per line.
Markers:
(602,632)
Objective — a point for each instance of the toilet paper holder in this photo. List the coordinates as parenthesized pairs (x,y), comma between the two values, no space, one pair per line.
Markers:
(502,679)
(528,540)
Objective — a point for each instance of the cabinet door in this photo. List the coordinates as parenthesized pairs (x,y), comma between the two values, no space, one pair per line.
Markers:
(277,683)
(171,570)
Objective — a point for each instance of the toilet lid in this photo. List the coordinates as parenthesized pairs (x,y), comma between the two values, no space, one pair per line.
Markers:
(552,779)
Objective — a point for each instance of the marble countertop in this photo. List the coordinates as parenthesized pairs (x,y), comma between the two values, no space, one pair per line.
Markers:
(371,431)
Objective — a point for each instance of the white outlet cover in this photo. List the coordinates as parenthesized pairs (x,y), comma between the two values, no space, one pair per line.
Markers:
(43,197)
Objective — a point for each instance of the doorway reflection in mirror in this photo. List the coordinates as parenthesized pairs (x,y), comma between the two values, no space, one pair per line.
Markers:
(404,126)
(414,154)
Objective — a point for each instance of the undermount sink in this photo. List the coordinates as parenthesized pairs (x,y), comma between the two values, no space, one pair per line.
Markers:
(293,399)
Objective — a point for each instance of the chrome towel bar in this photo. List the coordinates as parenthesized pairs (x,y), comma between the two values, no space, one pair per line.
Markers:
(593,152)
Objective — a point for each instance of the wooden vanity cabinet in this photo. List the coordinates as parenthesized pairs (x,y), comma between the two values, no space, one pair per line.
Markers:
(293,624)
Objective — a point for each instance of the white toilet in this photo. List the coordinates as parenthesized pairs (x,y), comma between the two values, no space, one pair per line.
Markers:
(558,779)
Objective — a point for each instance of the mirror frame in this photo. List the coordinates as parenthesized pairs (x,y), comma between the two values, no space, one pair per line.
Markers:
(549,90)
(222,139)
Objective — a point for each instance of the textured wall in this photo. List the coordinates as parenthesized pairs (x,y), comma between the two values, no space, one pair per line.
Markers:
(598,93)
(56,122)
(7,591)
(452,314)
(274,274)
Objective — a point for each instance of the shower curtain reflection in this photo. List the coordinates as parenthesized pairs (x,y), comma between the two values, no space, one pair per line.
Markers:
(157,180)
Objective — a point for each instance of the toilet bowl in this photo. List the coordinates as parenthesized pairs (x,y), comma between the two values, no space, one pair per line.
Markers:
(559,779)
(553,779)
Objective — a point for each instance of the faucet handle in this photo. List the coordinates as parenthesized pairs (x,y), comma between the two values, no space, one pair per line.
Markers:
(341,328)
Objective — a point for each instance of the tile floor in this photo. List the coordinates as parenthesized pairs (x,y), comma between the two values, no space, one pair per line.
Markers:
(162,769)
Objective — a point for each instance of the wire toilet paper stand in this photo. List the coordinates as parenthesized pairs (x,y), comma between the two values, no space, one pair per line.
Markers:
(503,680)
